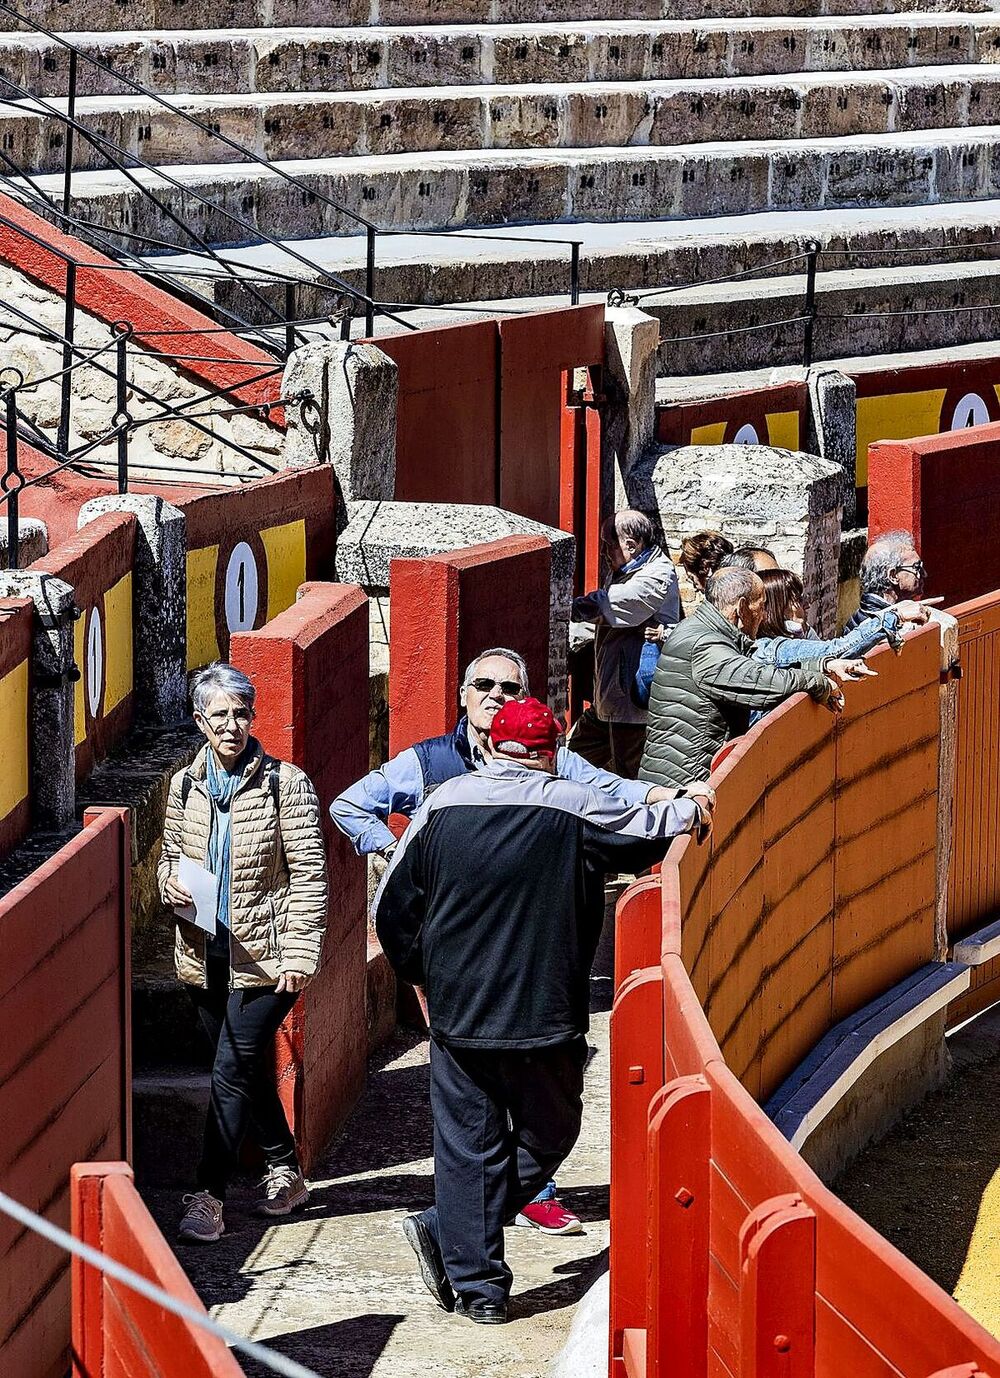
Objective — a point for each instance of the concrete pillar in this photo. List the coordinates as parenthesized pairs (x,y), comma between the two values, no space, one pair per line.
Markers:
(349,419)
(787,501)
(628,416)
(53,674)
(160,597)
(831,430)
(380,532)
(33,541)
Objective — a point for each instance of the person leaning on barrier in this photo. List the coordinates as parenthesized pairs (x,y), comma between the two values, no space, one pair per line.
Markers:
(707,682)
(254,822)
(494,903)
(641,591)
(892,574)
(493,678)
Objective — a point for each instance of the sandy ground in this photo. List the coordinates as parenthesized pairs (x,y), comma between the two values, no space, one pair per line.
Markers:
(336,1287)
(932,1185)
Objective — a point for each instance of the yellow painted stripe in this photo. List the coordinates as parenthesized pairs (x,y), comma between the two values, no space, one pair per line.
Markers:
(202,639)
(900,416)
(118,643)
(14,735)
(714,434)
(286,564)
(80,688)
(783,429)
(977,1290)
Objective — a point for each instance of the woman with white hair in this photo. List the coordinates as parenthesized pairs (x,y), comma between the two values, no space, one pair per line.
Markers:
(253,822)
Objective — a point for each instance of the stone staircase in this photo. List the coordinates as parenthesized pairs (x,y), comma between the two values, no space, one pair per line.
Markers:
(677,140)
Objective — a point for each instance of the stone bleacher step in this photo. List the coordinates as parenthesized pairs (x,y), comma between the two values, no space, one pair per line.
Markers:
(594,115)
(551,187)
(99,16)
(244,61)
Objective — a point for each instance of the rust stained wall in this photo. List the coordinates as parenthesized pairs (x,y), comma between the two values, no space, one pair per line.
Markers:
(310,666)
(445,610)
(65,1076)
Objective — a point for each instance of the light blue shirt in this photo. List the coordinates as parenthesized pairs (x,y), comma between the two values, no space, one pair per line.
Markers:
(398,787)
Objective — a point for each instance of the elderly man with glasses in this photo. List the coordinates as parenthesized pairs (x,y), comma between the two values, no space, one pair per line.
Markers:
(893,576)
(495,677)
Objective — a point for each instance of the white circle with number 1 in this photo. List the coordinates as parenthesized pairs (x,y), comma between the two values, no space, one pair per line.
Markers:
(95,661)
(242,587)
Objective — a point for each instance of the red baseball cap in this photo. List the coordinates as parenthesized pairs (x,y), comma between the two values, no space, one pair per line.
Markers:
(527,722)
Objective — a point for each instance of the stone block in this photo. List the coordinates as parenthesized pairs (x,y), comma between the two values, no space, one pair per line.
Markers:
(772,48)
(700,53)
(212,64)
(982,97)
(628,418)
(331,63)
(723,184)
(871,45)
(52,736)
(967,172)
(516,191)
(937,104)
(420,58)
(876,176)
(396,124)
(33,541)
(796,180)
(740,489)
(953,38)
(379,532)
(985,45)
(160,601)
(523,58)
(527,120)
(829,111)
(623,56)
(826,48)
(832,428)
(608,119)
(349,419)
(308,129)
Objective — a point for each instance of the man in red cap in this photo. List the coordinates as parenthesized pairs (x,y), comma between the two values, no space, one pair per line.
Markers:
(494,902)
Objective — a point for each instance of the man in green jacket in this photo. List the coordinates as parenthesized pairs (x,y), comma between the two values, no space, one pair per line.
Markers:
(706,684)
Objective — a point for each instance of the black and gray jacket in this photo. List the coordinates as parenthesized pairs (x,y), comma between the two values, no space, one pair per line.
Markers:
(494,900)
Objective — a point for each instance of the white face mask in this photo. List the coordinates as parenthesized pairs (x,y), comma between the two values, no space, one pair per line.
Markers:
(794,628)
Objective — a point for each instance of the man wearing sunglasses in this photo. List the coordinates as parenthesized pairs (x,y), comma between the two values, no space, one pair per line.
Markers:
(893,576)
(495,677)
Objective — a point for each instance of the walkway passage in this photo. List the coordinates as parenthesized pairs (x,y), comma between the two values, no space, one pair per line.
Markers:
(337,1288)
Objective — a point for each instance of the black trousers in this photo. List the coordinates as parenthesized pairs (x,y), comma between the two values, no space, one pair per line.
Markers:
(504,1121)
(241,1025)
(613,746)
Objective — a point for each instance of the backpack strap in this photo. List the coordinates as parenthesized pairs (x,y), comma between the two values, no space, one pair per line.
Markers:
(185,788)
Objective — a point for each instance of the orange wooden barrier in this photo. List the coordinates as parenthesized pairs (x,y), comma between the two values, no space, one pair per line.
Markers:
(116,1332)
(815,895)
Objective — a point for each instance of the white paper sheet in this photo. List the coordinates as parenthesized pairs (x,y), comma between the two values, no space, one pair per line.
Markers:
(201,886)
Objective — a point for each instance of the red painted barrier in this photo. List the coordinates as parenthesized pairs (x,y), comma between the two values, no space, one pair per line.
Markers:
(65,1068)
(116,1332)
(161,321)
(16,625)
(97,564)
(310,666)
(815,895)
(249,549)
(485,412)
(445,609)
(940,487)
(774,415)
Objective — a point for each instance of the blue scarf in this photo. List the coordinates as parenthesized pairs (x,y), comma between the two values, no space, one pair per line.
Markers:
(221,785)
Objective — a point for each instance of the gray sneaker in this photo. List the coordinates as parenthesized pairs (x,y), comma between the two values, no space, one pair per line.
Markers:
(202,1221)
(285,1191)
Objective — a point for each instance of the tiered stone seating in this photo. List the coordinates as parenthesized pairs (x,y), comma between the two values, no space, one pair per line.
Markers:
(677,139)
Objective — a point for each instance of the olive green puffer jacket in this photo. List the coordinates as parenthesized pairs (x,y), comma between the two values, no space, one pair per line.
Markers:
(703,693)
(278,889)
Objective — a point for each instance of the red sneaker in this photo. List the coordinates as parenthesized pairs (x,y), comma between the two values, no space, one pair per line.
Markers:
(550,1217)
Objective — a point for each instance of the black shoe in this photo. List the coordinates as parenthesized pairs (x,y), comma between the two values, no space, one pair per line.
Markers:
(482,1312)
(423,1244)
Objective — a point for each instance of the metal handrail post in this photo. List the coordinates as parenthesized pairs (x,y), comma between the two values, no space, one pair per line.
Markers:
(370,282)
(809,311)
(122,418)
(66,383)
(71,118)
(12,481)
(289,317)
(574,273)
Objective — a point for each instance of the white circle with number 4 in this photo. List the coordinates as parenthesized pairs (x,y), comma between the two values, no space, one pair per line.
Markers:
(746,435)
(971,411)
(95,661)
(242,589)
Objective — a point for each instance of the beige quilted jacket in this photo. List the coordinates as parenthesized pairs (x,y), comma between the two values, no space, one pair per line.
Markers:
(278,891)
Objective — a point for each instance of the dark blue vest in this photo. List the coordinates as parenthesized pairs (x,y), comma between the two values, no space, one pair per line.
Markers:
(444,758)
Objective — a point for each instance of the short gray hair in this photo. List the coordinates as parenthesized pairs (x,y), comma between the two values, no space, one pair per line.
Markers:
(884,555)
(727,587)
(738,559)
(221,678)
(636,526)
(507,654)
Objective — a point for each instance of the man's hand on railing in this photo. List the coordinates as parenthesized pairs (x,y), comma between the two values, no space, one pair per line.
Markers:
(910,610)
(849,671)
(704,798)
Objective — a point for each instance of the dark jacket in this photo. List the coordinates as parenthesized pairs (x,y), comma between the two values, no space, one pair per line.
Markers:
(705,688)
(494,900)
(871,605)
